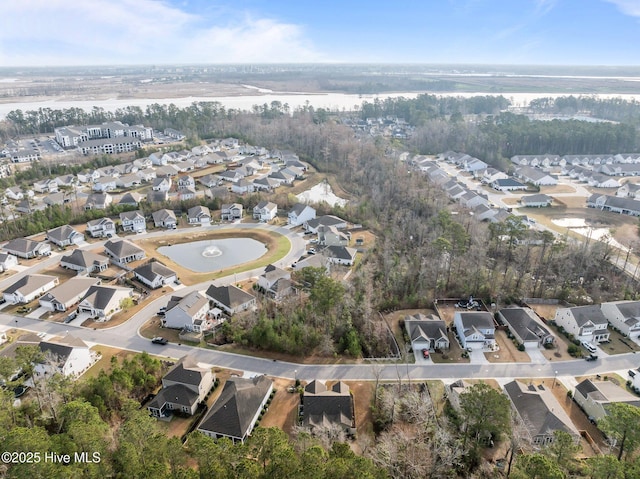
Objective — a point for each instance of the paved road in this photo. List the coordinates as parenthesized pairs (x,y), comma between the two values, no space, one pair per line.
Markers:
(126,336)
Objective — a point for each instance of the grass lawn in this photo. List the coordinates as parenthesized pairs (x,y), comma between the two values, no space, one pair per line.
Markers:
(104,363)
(277,247)
(619,344)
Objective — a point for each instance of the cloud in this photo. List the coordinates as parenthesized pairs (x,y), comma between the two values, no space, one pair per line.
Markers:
(74,32)
(542,7)
(628,7)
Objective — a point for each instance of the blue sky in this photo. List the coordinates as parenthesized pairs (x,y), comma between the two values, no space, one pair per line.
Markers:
(76,32)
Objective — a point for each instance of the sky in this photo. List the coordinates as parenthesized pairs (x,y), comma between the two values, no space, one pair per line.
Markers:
(108,32)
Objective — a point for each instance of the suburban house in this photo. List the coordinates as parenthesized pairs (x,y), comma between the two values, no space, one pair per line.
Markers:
(68,356)
(426,332)
(312,225)
(128,181)
(58,198)
(540,412)
(594,397)
(236,410)
(14,193)
(232,176)
(146,174)
(340,255)
(209,180)
(84,262)
(536,201)
(275,282)
(62,297)
(101,228)
(624,316)
(165,219)
(26,248)
(476,329)
(154,274)
(98,201)
(45,186)
(161,184)
(535,176)
(331,236)
(7,261)
(29,287)
(188,312)
(157,197)
(283,177)
(131,199)
(491,174)
(313,261)
(507,184)
(265,211)
(242,186)
(300,214)
(185,182)
(199,215)
(105,183)
(455,390)
(133,221)
(187,194)
(123,252)
(230,299)
(102,302)
(629,190)
(615,204)
(526,327)
(64,236)
(184,387)
(231,211)
(586,323)
(324,407)
(265,184)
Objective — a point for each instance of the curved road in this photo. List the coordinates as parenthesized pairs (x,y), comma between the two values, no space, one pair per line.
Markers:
(126,336)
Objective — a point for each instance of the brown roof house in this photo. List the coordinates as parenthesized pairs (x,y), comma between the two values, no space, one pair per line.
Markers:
(184,387)
(236,411)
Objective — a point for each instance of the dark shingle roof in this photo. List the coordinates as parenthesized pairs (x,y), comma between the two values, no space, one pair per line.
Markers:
(122,248)
(176,394)
(186,371)
(323,406)
(151,270)
(84,259)
(239,401)
(230,296)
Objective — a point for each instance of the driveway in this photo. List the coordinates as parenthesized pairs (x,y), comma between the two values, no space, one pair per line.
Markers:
(420,359)
(536,356)
(476,356)
(36,313)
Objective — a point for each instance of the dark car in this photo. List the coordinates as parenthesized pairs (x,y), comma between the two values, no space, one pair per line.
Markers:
(159,340)
(591,357)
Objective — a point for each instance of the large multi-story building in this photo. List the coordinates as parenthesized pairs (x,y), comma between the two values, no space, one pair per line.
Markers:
(109,137)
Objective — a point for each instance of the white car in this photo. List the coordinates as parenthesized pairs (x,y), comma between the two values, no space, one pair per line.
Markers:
(589,346)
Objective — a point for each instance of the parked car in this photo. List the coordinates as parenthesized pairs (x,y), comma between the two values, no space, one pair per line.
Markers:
(425,353)
(591,357)
(159,340)
(589,347)
(162,311)
(71,317)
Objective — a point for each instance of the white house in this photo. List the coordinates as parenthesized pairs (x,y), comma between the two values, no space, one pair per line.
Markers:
(340,255)
(476,329)
(275,282)
(586,323)
(526,327)
(161,184)
(26,248)
(165,219)
(265,211)
(29,287)
(133,221)
(64,296)
(188,312)
(123,252)
(7,261)
(102,302)
(426,332)
(68,356)
(84,262)
(101,228)
(154,274)
(594,397)
(199,215)
(624,316)
(231,211)
(300,214)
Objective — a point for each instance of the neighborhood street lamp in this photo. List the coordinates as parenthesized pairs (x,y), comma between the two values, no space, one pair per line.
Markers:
(555,375)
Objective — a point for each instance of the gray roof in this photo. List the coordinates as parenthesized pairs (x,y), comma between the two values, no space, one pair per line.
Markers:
(324,406)
(341,252)
(198,211)
(22,245)
(176,394)
(326,220)
(539,410)
(298,208)
(583,314)
(239,401)
(84,259)
(101,296)
(131,215)
(151,270)
(508,182)
(524,323)
(629,309)
(477,319)
(132,198)
(122,248)
(70,289)
(540,198)
(190,304)
(164,215)
(62,233)
(606,392)
(426,328)
(186,371)
(101,221)
(230,296)
(61,348)
(29,283)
